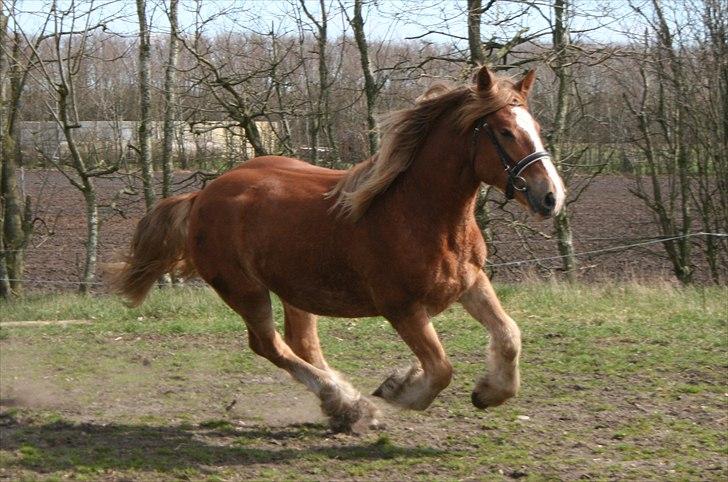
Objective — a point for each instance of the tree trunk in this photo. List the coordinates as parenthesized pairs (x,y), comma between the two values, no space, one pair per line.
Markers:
(92,236)
(65,101)
(371,91)
(562,70)
(145,104)
(672,71)
(562,223)
(324,100)
(477,57)
(252,134)
(319,119)
(475,44)
(13,227)
(170,101)
(5,289)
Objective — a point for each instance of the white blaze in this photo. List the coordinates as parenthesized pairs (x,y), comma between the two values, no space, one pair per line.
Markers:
(526,122)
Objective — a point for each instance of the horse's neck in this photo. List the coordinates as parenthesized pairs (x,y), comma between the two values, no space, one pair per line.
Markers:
(440,186)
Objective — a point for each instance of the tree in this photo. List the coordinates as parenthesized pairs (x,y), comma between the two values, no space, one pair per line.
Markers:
(145,120)
(16,216)
(320,119)
(232,69)
(60,57)
(664,137)
(170,99)
(371,89)
(710,152)
(557,140)
(5,288)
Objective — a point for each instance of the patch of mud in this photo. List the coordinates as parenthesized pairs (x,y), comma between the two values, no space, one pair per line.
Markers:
(20,392)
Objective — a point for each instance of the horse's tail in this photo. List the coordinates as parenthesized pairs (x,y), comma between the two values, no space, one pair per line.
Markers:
(159,246)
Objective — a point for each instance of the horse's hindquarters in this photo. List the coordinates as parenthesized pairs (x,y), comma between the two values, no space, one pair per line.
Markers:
(259,229)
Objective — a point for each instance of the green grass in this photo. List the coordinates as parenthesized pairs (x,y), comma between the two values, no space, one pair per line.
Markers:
(619,382)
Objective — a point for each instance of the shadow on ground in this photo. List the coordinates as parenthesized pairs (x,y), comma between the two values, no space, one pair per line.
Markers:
(62,445)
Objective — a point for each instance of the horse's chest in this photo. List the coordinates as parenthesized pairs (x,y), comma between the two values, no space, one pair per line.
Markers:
(447,280)
(447,272)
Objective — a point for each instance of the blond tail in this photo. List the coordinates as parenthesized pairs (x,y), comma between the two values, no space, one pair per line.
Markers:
(159,246)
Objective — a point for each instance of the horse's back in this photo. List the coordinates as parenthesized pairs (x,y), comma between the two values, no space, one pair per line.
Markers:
(269,223)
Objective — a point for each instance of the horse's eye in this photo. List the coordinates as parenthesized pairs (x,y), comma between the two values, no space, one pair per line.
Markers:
(507,133)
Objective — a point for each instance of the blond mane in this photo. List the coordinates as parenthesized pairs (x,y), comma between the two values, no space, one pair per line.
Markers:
(404,131)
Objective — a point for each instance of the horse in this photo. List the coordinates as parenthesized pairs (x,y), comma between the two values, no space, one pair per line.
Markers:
(393,236)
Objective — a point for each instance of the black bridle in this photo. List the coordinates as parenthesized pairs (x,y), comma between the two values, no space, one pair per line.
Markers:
(514,170)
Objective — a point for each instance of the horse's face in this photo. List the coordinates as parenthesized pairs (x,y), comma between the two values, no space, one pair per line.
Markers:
(511,137)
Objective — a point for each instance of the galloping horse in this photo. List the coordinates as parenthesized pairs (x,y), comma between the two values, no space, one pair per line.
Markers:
(393,236)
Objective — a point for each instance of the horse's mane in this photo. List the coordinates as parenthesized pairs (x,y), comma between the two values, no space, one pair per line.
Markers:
(405,131)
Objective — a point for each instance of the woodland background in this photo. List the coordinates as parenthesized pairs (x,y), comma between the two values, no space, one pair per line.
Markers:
(109,106)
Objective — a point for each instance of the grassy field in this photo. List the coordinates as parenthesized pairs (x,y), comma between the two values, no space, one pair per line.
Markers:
(619,382)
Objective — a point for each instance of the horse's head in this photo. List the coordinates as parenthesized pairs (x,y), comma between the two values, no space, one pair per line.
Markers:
(508,152)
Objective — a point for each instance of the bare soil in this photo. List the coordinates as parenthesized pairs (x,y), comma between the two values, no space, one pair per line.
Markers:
(605,216)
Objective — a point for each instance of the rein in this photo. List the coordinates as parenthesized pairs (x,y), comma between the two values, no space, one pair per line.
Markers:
(514,170)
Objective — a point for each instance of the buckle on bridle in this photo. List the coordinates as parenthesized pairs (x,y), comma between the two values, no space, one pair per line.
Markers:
(515,180)
(520,184)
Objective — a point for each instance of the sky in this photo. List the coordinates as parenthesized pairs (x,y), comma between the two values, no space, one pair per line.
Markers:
(384,19)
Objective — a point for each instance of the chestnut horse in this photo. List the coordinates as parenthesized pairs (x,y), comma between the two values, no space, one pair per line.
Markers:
(393,236)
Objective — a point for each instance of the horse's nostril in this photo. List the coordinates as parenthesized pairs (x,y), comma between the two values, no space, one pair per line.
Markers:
(549,201)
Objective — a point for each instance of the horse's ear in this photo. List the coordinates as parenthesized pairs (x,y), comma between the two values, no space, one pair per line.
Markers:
(484,79)
(526,83)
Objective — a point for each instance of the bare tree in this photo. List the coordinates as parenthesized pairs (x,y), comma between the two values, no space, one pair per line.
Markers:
(145,120)
(560,64)
(170,99)
(661,108)
(5,288)
(232,70)
(69,46)
(320,120)
(16,226)
(478,57)
(371,88)
(710,152)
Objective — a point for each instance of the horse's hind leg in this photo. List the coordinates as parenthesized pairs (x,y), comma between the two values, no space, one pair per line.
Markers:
(502,380)
(418,386)
(301,335)
(344,406)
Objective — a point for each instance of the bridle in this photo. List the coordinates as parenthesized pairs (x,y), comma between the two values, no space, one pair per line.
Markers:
(515,181)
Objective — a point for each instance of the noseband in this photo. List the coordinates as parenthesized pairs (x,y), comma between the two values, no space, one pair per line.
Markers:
(513,170)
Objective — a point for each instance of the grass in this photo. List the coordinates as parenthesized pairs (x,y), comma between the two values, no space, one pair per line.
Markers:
(619,382)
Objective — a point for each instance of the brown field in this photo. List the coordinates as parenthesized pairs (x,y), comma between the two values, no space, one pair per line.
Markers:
(605,216)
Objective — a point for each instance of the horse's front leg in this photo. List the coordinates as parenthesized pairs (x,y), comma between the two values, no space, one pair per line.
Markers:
(417,387)
(502,380)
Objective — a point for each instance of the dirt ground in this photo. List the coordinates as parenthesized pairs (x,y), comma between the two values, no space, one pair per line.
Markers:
(605,216)
(170,391)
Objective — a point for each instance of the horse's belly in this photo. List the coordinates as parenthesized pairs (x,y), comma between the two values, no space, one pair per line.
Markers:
(319,287)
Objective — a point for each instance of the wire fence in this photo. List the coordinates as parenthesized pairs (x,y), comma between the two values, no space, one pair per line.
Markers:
(650,241)
(655,240)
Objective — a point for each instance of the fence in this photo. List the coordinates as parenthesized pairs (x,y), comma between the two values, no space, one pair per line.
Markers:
(622,247)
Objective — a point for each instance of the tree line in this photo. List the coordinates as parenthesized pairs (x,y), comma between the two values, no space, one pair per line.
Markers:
(651,100)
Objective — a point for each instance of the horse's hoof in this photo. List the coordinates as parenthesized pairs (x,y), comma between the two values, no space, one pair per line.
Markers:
(484,397)
(375,424)
(358,418)
(476,401)
(392,387)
